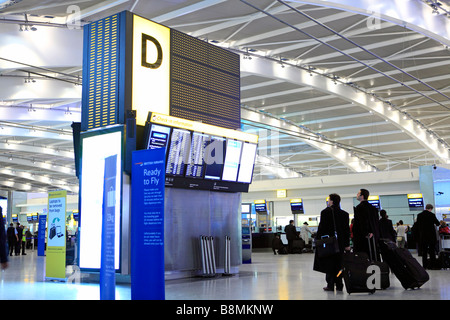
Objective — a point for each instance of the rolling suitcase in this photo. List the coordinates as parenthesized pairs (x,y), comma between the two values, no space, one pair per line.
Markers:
(405,267)
(383,266)
(443,261)
(298,245)
(354,268)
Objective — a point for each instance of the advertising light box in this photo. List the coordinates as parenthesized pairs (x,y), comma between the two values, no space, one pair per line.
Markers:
(202,156)
(96,145)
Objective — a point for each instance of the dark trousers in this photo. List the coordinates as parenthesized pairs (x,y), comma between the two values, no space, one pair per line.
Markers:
(332,281)
(428,248)
(290,245)
(12,246)
(18,246)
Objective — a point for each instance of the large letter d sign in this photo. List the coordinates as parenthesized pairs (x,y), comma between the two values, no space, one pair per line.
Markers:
(157,63)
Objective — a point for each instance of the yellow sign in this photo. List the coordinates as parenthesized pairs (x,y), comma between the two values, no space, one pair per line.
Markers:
(374,198)
(414,195)
(202,127)
(259,201)
(296,200)
(55,263)
(151,68)
(281,193)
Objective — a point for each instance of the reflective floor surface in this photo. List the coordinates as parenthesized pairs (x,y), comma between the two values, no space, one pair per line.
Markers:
(268,277)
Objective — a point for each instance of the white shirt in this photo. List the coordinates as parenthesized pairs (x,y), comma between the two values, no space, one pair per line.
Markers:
(401,230)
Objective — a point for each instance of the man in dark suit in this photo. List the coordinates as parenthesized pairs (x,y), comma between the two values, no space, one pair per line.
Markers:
(291,234)
(426,230)
(365,224)
(333,219)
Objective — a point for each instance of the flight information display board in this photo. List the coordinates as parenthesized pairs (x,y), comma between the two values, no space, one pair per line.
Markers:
(196,165)
(179,146)
(202,156)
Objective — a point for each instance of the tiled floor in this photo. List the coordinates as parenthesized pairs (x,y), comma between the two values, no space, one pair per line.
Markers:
(268,277)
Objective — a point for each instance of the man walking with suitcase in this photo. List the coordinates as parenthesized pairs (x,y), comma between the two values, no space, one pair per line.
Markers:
(366,223)
(426,230)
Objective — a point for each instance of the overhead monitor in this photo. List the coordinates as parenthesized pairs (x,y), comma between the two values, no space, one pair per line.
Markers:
(296,206)
(375,201)
(415,201)
(260,206)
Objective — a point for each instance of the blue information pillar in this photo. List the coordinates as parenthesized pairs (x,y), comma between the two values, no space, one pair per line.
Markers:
(41,235)
(147,224)
(107,267)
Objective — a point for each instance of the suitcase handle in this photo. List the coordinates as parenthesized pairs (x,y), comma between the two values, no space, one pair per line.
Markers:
(374,248)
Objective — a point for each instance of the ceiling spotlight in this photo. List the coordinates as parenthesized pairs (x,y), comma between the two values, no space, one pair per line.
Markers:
(33,28)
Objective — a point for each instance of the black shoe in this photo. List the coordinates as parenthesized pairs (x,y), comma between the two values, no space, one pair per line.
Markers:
(24,254)
(327,289)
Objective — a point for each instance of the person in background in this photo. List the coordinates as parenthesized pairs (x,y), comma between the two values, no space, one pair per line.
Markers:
(3,253)
(291,234)
(386,228)
(304,232)
(444,229)
(11,235)
(19,234)
(426,229)
(277,245)
(401,234)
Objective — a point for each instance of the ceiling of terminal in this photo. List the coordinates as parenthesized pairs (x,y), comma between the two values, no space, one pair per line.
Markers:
(330,89)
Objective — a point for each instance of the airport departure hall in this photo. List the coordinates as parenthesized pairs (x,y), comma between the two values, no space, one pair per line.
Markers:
(154,150)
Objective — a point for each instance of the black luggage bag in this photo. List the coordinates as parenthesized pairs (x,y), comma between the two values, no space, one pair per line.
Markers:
(298,245)
(405,267)
(383,266)
(354,268)
(444,259)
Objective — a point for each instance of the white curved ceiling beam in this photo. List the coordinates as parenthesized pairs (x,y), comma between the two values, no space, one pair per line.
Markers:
(32,177)
(41,165)
(7,131)
(14,88)
(12,113)
(413,15)
(339,154)
(38,48)
(186,10)
(273,70)
(278,32)
(13,146)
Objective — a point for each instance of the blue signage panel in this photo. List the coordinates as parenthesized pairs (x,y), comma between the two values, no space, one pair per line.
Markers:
(147,224)
(41,235)
(107,267)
